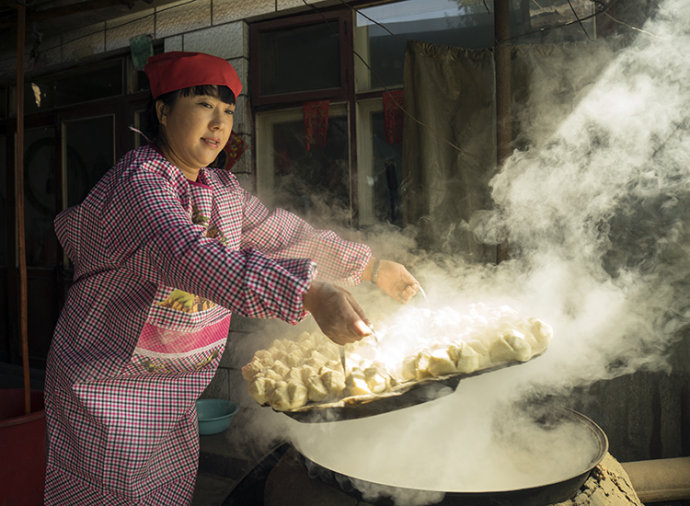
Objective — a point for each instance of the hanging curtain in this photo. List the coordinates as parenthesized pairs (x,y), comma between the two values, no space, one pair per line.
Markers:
(233,150)
(450,93)
(449,150)
(547,81)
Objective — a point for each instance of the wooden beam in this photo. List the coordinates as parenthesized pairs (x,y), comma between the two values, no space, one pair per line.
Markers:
(504,114)
(76,8)
(19,198)
(504,130)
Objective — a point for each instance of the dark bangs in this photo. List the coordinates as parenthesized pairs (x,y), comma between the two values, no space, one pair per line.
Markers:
(223,93)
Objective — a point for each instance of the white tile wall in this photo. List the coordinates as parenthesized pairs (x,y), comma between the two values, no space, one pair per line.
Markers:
(120,30)
(293,4)
(215,26)
(226,41)
(183,17)
(241,66)
(243,169)
(173,43)
(180,24)
(242,116)
(84,42)
(225,11)
(49,53)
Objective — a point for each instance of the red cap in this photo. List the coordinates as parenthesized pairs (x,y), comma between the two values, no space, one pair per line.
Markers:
(180,69)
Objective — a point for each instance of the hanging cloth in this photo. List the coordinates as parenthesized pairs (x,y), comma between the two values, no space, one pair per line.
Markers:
(315,111)
(233,150)
(449,153)
(393,115)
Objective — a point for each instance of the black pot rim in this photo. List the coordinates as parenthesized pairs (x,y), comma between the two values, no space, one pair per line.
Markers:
(531,496)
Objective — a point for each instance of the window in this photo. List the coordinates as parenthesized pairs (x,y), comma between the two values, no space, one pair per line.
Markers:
(88,153)
(86,83)
(301,59)
(4,103)
(138,139)
(3,199)
(381,33)
(309,59)
(76,125)
(379,167)
(353,59)
(40,196)
(306,178)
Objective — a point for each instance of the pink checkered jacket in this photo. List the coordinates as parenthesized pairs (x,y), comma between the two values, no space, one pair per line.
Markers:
(160,263)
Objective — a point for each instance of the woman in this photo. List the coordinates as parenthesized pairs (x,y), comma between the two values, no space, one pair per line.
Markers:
(164,249)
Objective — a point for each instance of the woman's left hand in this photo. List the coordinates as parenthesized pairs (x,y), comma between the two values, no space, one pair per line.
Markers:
(395,280)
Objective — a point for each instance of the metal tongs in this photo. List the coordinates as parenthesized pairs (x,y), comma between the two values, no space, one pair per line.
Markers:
(341,349)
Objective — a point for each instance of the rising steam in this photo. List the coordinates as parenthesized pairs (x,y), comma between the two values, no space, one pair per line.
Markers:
(598,213)
(597,218)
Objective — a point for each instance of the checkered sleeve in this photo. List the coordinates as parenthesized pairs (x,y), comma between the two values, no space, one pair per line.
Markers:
(148,229)
(337,259)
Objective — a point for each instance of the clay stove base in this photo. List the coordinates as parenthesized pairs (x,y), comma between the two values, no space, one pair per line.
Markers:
(607,485)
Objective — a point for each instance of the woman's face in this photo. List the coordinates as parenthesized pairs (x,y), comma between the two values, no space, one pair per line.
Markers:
(195,129)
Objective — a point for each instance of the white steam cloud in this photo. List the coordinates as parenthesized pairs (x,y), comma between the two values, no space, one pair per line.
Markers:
(597,218)
(598,214)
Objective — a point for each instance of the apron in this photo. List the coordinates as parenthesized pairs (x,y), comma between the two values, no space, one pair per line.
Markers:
(138,436)
(130,355)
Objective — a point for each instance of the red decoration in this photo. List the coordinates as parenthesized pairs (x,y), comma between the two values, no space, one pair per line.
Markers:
(234,149)
(393,115)
(315,111)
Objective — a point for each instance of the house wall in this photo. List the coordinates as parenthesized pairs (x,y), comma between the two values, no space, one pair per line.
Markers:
(217,27)
(644,414)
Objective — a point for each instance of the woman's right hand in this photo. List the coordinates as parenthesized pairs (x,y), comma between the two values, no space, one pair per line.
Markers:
(336,312)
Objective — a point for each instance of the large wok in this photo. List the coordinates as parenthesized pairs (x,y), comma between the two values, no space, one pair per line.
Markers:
(550,470)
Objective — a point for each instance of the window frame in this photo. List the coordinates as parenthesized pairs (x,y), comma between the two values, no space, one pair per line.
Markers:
(346,94)
(265,179)
(339,93)
(52,281)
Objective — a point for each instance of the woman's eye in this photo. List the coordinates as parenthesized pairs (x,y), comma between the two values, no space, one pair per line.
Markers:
(231,112)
